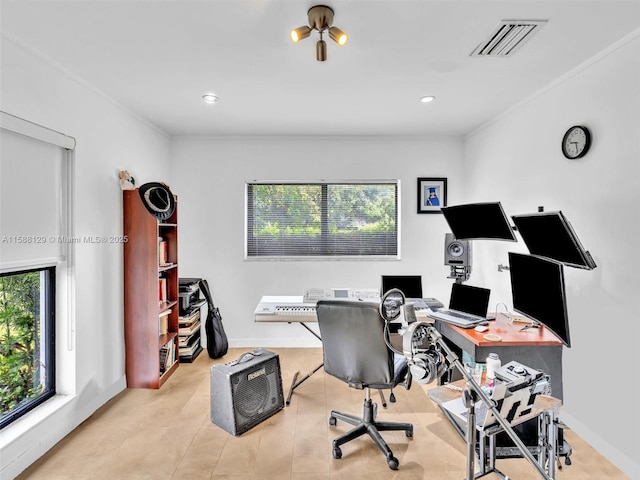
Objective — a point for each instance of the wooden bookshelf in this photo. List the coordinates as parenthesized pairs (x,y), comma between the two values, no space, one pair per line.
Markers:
(145,342)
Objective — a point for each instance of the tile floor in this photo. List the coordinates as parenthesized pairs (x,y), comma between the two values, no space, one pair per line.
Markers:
(167,434)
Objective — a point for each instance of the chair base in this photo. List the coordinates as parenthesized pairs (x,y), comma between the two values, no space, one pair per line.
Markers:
(368,425)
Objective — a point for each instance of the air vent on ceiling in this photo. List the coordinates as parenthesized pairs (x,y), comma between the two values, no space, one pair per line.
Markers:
(507,37)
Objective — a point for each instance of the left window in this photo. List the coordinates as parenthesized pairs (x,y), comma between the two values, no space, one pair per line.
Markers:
(27,341)
(36,258)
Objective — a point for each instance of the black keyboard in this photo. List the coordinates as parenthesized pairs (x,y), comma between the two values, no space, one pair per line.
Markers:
(460,315)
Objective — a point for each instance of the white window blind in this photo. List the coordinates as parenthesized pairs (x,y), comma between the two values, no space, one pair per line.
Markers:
(33,195)
(323,219)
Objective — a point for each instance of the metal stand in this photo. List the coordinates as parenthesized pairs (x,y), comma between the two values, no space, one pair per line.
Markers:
(471,393)
(294,383)
(460,273)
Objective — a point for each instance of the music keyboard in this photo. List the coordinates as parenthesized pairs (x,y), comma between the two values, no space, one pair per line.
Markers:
(294,309)
(285,312)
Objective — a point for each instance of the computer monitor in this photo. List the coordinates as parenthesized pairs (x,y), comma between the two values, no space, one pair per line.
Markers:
(537,289)
(549,234)
(409,285)
(481,221)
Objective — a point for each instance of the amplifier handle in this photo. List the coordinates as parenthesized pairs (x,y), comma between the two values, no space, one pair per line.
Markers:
(245,357)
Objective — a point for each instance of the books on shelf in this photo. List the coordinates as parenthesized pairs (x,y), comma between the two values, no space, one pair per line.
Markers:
(163,322)
(186,341)
(189,316)
(162,290)
(187,330)
(190,351)
(162,252)
(167,356)
(189,325)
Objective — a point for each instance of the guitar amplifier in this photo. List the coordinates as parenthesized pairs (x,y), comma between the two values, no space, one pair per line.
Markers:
(246,391)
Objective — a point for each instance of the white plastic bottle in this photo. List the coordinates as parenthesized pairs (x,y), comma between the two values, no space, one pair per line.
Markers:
(493,363)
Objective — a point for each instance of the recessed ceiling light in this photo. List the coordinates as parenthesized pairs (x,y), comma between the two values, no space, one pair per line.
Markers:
(427,99)
(210,98)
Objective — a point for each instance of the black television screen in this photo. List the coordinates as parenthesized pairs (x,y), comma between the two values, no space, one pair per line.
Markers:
(479,221)
(537,290)
(409,285)
(549,234)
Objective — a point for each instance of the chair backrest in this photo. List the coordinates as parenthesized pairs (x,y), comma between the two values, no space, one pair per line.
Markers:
(353,344)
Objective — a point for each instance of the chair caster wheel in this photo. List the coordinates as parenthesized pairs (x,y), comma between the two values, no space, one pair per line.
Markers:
(409,433)
(567,460)
(337,453)
(332,421)
(393,463)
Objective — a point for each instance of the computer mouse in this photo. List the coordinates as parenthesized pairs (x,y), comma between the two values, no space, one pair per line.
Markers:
(482,328)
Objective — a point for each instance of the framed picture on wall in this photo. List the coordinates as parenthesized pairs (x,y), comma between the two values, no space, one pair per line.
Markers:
(432,194)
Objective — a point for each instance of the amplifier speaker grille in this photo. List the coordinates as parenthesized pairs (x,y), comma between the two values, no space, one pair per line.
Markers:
(246,391)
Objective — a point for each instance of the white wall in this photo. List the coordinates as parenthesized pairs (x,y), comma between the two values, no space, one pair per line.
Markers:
(108,139)
(517,159)
(209,176)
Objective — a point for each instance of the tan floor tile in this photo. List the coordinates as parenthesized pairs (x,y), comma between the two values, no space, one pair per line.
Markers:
(167,434)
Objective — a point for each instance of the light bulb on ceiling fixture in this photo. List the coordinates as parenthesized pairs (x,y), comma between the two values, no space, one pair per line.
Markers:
(209,98)
(300,33)
(338,36)
(427,99)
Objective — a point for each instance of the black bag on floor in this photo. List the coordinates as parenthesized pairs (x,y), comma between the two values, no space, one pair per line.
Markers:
(217,343)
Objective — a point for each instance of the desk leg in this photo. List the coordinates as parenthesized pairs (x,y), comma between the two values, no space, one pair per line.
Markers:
(294,382)
(542,440)
(552,439)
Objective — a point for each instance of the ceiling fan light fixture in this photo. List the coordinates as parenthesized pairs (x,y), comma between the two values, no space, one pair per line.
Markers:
(427,99)
(300,33)
(209,98)
(338,36)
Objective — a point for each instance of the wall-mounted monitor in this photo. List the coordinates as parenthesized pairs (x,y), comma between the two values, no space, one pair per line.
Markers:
(479,221)
(550,235)
(537,289)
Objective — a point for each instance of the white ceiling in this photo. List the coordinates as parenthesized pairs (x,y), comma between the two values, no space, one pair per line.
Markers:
(158,57)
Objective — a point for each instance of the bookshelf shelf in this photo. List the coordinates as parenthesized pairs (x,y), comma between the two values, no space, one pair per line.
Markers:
(190,320)
(167,305)
(166,338)
(150,294)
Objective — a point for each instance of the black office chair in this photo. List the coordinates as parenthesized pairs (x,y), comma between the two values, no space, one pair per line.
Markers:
(354,351)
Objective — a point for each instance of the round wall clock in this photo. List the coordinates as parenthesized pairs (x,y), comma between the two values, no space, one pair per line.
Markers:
(576,142)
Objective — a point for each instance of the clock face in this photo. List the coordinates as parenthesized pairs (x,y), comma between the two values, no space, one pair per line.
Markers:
(576,142)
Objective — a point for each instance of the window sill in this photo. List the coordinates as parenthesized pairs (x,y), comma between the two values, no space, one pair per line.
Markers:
(323,259)
(26,423)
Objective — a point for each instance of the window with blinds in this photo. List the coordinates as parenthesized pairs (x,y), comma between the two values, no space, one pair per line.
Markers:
(323,219)
(36,251)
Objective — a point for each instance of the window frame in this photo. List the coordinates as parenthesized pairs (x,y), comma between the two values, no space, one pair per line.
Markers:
(62,279)
(251,256)
(47,325)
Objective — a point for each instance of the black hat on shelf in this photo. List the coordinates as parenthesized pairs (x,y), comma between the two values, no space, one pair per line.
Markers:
(158,199)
